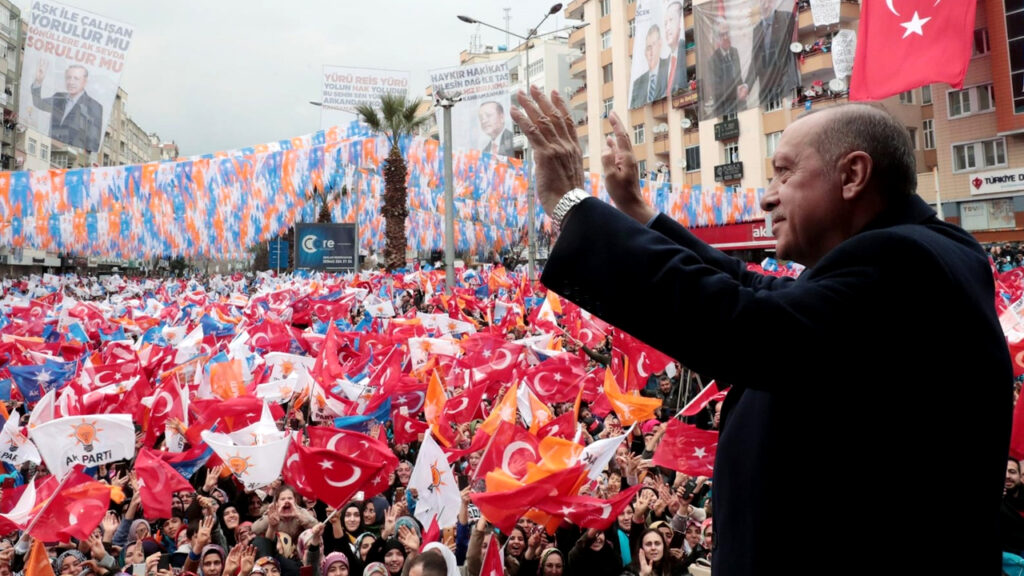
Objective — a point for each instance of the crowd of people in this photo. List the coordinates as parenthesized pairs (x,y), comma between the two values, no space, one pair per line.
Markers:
(223,529)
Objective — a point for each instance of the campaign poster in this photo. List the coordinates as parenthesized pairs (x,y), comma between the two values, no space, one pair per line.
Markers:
(329,247)
(481,119)
(744,56)
(72,67)
(345,87)
(659,52)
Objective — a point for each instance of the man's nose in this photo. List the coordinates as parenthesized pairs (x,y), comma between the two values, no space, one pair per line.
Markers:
(770,200)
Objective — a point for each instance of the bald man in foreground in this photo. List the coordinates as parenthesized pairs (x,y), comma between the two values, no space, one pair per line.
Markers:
(850,385)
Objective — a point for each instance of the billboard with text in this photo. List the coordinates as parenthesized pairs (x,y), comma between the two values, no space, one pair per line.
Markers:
(329,247)
(481,120)
(345,87)
(71,71)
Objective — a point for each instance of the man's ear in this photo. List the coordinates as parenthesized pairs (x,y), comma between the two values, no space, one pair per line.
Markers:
(855,171)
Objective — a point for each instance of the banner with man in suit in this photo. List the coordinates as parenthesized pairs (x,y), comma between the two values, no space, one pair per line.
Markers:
(71,71)
(743,54)
(481,119)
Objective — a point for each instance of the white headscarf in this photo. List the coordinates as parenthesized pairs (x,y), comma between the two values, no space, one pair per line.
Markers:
(449,557)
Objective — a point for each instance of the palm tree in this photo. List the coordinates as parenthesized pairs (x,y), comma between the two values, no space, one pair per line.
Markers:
(395,119)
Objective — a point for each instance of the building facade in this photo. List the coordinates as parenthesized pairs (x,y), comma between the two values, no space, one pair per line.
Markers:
(10,73)
(977,133)
(672,144)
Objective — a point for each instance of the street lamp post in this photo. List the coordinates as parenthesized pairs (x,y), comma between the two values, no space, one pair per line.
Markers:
(446,101)
(531,194)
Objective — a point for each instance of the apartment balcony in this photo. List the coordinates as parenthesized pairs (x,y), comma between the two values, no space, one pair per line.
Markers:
(575,10)
(820,98)
(660,109)
(849,12)
(817,64)
(578,68)
(577,38)
(579,97)
(661,143)
(582,129)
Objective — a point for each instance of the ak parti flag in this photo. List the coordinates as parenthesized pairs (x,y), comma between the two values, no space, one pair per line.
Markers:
(687,449)
(910,43)
(158,481)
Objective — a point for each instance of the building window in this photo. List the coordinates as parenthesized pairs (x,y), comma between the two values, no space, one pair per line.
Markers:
(980,42)
(773,104)
(928,127)
(638,134)
(606,40)
(692,158)
(32,146)
(641,167)
(606,7)
(44,152)
(907,97)
(608,104)
(979,155)
(535,68)
(632,27)
(913,136)
(973,100)
(606,73)
(771,141)
(732,153)
(727,117)
(926,94)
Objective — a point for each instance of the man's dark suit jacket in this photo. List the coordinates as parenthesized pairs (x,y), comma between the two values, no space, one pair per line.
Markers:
(641,86)
(725,79)
(506,146)
(871,397)
(773,63)
(83,124)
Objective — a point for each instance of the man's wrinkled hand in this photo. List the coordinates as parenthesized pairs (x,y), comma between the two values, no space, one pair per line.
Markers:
(550,129)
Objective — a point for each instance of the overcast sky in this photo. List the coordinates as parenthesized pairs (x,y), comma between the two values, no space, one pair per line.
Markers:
(221,74)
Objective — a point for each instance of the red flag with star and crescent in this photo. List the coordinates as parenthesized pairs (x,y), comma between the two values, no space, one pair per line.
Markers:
(333,476)
(687,449)
(407,430)
(587,511)
(358,446)
(910,43)
(158,482)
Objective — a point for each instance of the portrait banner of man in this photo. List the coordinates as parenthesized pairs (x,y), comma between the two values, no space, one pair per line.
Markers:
(743,54)
(69,79)
(655,52)
(481,119)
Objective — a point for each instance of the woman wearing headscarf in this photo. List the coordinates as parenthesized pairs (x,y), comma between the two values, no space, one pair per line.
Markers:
(211,560)
(375,569)
(334,564)
(391,553)
(593,555)
(373,514)
(364,543)
(228,519)
(343,526)
(551,563)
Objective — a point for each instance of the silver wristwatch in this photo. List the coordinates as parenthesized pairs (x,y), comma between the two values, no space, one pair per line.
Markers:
(566,203)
